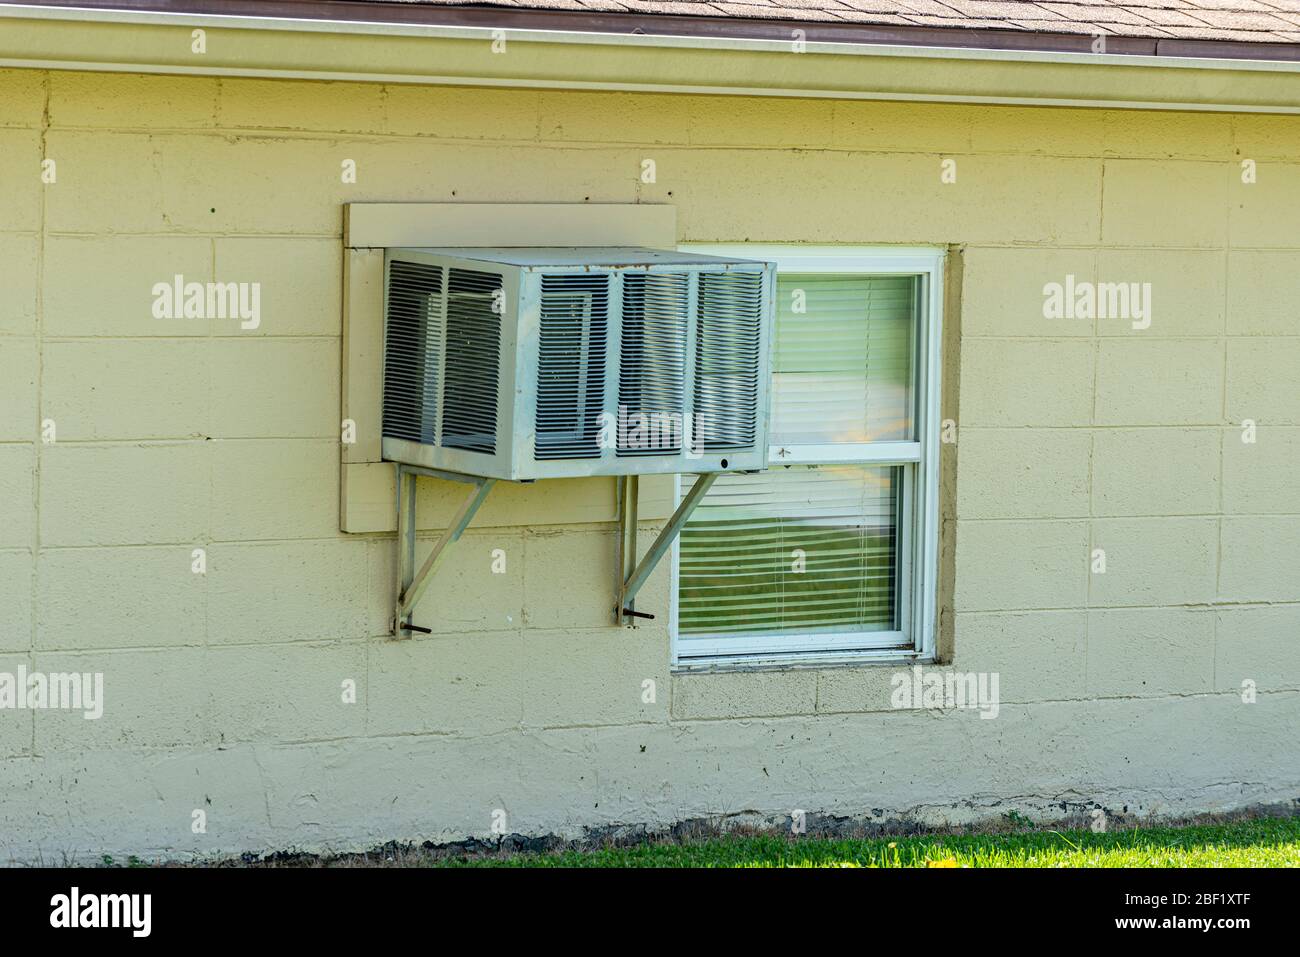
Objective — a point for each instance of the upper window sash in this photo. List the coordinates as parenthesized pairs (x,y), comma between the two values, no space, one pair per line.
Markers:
(925,262)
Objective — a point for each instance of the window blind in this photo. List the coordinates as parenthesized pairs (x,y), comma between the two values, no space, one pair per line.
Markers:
(842,361)
(799,550)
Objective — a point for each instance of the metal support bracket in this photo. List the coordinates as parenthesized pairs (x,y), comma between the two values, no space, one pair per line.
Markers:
(631,575)
(410,583)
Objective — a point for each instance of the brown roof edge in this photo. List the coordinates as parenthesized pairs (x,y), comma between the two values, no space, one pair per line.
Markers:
(690,26)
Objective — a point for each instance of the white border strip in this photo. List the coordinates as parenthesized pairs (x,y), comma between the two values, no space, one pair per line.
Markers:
(533,84)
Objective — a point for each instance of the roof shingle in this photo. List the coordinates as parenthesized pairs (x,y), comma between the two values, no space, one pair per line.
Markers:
(1262,21)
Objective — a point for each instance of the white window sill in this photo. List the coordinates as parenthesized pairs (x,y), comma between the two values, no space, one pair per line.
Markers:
(877,657)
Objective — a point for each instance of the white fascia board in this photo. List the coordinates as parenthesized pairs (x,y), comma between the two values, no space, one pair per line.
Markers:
(132,41)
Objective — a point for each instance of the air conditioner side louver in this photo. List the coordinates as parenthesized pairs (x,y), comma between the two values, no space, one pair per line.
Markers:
(413,351)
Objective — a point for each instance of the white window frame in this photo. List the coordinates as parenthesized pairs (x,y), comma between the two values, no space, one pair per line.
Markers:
(919,552)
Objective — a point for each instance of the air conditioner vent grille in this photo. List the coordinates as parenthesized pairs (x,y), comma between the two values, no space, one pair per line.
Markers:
(414,337)
(652,375)
(573,332)
(475,303)
(727,361)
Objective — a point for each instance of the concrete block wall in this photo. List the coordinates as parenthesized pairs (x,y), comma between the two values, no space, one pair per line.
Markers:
(223,691)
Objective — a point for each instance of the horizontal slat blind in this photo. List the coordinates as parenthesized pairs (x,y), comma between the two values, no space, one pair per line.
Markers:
(842,364)
(739,569)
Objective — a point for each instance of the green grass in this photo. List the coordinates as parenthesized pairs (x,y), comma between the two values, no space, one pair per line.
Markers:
(1265,842)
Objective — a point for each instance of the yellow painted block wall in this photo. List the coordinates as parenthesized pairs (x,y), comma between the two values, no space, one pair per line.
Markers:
(223,690)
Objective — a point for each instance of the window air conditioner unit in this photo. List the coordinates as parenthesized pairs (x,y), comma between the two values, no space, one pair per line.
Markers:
(535,363)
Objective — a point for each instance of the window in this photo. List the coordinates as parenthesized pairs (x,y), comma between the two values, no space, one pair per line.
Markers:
(832,552)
